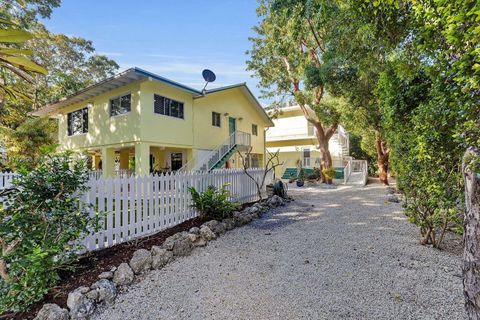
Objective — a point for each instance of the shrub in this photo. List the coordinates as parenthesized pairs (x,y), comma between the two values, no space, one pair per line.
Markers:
(213,203)
(39,226)
(302,175)
(329,173)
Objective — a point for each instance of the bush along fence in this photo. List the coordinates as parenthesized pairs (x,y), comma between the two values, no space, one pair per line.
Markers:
(133,207)
(6,179)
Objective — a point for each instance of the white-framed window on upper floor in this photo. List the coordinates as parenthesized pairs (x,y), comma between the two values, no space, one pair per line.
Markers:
(77,122)
(168,107)
(254,129)
(120,105)
(216,119)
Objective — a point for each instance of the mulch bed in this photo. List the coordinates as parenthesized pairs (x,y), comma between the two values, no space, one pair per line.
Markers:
(91,265)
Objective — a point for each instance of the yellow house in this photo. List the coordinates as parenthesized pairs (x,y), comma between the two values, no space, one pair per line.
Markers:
(140,121)
(294,137)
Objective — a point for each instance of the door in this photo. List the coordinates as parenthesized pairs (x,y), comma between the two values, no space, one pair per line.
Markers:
(177,161)
(232,125)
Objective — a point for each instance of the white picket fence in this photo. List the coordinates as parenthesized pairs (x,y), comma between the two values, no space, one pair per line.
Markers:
(134,207)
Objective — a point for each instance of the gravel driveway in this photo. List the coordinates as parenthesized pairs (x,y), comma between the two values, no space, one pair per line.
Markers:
(330,254)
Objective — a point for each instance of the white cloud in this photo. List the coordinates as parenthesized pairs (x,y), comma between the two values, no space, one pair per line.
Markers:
(110,54)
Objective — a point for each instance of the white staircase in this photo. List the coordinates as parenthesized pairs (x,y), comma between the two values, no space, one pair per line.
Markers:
(216,158)
(356,173)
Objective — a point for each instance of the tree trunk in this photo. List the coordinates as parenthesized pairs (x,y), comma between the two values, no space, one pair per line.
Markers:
(471,238)
(382,159)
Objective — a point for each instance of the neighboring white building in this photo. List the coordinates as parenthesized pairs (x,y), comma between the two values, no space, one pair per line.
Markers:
(295,137)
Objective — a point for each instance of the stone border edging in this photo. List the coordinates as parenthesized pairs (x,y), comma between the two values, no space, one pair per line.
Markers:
(83,301)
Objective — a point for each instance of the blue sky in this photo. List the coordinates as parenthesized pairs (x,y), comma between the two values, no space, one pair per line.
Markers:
(175,39)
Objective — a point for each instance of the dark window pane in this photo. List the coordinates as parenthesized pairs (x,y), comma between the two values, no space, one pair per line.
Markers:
(114,106)
(168,107)
(85,120)
(125,103)
(159,104)
(180,110)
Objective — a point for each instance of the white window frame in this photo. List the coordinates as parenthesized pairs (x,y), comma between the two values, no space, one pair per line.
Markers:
(115,97)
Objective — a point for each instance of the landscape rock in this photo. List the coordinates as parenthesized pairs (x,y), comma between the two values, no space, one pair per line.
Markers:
(80,306)
(207,234)
(107,291)
(51,311)
(241,218)
(393,198)
(197,240)
(124,275)
(229,223)
(253,211)
(141,261)
(391,190)
(160,257)
(275,201)
(92,295)
(170,241)
(106,275)
(194,230)
(212,224)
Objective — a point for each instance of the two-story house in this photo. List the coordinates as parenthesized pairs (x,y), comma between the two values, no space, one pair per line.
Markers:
(140,121)
(295,139)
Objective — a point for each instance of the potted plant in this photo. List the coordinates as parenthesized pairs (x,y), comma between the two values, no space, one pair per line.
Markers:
(301,178)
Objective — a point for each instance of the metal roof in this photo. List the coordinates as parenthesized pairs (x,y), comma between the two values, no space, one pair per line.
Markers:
(133,74)
(126,77)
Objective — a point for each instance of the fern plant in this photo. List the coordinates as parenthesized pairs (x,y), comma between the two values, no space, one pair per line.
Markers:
(213,203)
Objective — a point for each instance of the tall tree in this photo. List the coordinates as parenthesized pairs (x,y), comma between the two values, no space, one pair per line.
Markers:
(287,55)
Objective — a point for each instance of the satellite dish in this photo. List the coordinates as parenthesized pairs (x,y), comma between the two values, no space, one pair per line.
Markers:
(209,76)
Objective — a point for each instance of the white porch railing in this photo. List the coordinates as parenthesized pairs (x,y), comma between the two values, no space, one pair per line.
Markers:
(356,172)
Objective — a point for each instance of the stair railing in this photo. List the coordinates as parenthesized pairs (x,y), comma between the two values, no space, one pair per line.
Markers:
(209,160)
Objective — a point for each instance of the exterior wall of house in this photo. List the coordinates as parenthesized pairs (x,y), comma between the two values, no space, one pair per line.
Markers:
(103,130)
(293,133)
(142,134)
(229,103)
(162,129)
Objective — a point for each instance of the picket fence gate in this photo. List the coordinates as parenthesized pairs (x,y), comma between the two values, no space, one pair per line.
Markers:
(134,207)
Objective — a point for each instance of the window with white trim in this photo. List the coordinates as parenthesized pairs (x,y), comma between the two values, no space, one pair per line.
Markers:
(216,119)
(120,105)
(167,106)
(77,122)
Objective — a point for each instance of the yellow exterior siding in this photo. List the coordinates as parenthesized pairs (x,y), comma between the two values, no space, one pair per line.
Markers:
(103,130)
(229,103)
(166,130)
(150,138)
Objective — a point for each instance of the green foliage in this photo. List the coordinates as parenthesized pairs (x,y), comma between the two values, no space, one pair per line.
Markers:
(15,61)
(39,227)
(213,203)
(302,175)
(329,173)
(27,143)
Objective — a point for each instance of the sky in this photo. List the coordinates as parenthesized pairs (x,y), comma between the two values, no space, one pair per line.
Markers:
(176,39)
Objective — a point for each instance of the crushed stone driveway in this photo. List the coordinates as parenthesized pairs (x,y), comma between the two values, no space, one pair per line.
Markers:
(330,254)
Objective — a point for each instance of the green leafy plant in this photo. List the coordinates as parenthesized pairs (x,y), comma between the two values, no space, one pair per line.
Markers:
(329,173)
(213,203)
(39,227)
(302,175)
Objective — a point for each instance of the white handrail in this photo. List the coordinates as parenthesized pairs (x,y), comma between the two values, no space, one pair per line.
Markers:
(209,160)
